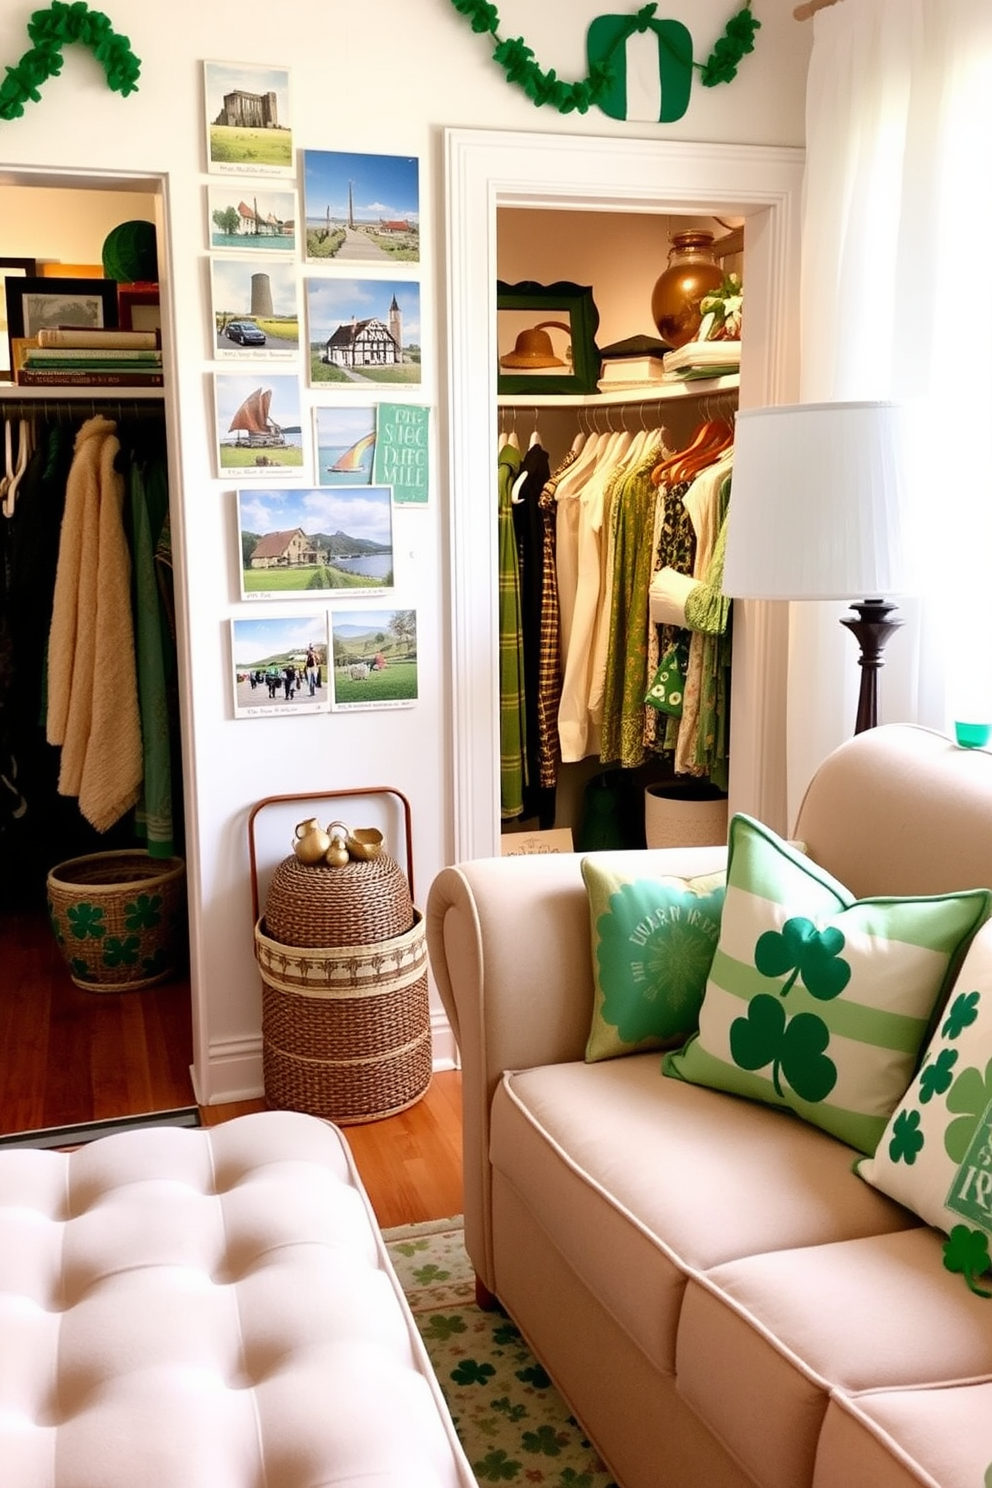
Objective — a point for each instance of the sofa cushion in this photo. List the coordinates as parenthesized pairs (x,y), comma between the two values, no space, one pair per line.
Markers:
(900,1438)
(817,1001)
(935,1154)
(653,938)
(628,1197)
(798,1326)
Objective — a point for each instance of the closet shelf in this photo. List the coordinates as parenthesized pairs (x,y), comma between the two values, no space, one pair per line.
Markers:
(76,392)
(703,387)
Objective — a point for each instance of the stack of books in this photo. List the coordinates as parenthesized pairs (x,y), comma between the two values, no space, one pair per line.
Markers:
(72,357)
(631,363)
(703,359)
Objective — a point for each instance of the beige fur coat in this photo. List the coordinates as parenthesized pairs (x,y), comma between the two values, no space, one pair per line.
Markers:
(92,680)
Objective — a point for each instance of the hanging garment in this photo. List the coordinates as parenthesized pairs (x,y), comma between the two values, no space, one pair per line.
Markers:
(706,507)
(512,719)
(549,667)
(535,469)
(93,702)
(578,733)
(700,607)
(709,612)
(148,497)
(567,534)
(622,735)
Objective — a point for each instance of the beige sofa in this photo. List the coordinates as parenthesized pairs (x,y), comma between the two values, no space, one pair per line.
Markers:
(720,1298)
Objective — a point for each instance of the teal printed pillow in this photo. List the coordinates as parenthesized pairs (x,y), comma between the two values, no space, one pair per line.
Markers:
(935,1155)
(652,943)
(818,1002)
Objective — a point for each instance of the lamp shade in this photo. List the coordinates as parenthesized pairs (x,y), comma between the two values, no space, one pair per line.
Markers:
(820,504)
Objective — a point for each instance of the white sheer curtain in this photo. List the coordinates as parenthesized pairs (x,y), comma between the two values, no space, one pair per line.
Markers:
(896,299)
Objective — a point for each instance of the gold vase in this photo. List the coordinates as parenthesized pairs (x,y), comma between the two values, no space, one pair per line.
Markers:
(692,273)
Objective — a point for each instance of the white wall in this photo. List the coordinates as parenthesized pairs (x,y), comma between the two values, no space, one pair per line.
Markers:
(375,76)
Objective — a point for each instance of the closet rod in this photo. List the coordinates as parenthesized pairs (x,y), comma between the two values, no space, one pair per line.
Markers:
(72,410)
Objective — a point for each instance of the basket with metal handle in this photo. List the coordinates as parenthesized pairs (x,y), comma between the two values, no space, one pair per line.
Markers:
(345,1003)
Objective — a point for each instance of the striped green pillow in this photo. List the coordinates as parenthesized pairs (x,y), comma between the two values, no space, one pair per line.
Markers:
(818,1002)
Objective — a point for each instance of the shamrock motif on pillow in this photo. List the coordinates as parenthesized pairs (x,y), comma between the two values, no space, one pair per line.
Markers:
(936,1154)
(820,1002)
(794,1048)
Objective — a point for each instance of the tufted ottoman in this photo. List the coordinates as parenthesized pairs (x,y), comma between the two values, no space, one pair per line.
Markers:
(208,1309)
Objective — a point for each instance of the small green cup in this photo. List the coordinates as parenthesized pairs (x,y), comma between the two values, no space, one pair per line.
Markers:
(972,735)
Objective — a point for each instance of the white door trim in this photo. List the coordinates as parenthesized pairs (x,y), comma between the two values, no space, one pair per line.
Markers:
(488,169)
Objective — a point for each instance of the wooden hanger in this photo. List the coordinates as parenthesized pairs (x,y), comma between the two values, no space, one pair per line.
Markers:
(711,439)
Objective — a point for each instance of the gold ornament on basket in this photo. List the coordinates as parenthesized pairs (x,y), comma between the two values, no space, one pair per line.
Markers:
(310,842)
(337,845)
(337,850)
(364,843)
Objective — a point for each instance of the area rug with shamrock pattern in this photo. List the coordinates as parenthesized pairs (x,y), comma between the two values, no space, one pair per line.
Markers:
(512,1423)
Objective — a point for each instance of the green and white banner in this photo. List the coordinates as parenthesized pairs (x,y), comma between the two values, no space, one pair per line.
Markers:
(652,72)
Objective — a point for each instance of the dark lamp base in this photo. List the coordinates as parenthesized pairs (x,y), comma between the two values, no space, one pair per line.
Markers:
(872,627)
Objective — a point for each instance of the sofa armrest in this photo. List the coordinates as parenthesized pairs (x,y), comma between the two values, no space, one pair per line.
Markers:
(510,950)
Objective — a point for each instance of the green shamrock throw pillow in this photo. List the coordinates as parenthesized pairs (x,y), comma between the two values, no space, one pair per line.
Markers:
(935,1155)
(653,939)
(816,1001)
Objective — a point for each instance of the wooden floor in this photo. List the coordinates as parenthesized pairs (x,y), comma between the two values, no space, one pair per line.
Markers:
(69,1056)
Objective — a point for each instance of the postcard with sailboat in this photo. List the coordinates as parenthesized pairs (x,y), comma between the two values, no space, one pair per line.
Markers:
(344,445)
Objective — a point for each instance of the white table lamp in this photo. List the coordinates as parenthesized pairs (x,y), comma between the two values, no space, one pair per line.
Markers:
(820,508)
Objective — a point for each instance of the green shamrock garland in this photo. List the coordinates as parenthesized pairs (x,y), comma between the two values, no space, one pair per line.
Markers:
(49,30)
(545,87)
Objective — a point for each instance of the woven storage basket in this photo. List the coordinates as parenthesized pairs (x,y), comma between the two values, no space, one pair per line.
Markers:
(118,918)
(354,905)
(684,816)
(345,1029)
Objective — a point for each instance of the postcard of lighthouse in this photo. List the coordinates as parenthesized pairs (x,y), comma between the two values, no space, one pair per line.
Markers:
(361,208)
(255,310)
(363,331)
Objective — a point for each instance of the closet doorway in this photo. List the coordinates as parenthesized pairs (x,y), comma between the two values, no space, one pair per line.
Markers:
(489,170)
(619,255)
(74,1055)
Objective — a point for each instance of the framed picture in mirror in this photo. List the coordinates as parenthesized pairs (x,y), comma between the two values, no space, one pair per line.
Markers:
(10,268)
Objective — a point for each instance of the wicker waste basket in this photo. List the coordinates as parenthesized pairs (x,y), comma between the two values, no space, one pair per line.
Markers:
(345,1005)
(118,918)
(691,813)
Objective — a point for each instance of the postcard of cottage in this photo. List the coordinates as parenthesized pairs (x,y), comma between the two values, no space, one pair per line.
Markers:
(363,331)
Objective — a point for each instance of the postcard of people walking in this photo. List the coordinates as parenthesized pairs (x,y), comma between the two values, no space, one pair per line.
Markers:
(374,659)
(363,331)
(361,208)
(248,122)
(280,666)
(259,424)
(296,543)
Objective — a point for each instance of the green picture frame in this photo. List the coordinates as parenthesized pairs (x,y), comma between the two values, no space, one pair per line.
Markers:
(546,338)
